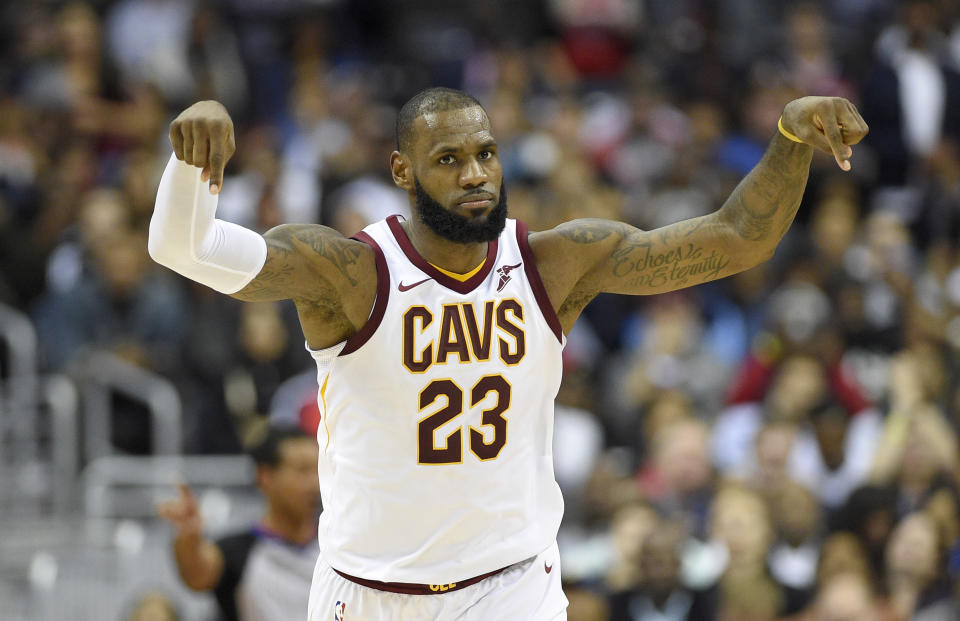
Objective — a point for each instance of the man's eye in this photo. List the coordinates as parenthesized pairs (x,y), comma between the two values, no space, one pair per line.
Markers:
(446,159)
(486,155)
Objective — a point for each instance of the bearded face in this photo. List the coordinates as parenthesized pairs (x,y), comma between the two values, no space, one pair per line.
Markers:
(455,227)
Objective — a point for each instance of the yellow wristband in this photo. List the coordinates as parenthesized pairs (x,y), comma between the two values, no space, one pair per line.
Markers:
(786,133)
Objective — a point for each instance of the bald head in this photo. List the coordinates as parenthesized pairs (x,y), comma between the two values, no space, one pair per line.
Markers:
(431,100)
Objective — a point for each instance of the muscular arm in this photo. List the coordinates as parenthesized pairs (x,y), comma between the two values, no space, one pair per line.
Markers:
(304,262)
(332,280)
(603,256)
(582,258)
(742,233)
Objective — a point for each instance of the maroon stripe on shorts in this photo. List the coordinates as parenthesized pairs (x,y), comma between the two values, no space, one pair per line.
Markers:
(410,588)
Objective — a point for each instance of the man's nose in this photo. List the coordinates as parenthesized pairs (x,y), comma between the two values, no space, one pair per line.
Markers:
(473,174)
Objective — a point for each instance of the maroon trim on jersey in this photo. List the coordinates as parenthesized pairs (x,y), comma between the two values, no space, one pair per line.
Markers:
(460,286)
(410,588)
(356,341)
(539,291)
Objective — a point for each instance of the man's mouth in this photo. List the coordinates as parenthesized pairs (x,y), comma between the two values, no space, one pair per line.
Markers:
(481,203)
(480,200)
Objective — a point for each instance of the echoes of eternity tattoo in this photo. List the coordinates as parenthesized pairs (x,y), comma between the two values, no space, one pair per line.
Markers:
(642,266)
(742,233)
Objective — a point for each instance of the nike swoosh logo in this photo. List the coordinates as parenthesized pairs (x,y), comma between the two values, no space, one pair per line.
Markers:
(403,287)
(547,568)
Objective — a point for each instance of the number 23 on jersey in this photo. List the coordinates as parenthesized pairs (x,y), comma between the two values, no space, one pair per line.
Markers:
(450,449)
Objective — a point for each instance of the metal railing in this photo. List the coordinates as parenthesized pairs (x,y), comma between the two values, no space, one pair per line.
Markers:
(18,391)
(48,478)
(131,487)
(103,374)
(59,394)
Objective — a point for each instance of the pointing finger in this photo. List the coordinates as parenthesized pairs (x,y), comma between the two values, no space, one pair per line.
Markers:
(216,163)
(832,131)
(186,496)
(164,510)
(170,511)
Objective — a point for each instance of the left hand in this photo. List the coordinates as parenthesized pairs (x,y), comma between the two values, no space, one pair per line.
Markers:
(830,124)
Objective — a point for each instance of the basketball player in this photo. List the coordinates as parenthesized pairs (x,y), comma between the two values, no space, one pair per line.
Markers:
(438,340)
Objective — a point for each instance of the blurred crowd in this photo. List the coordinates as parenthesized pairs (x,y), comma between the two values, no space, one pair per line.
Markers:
(782,444)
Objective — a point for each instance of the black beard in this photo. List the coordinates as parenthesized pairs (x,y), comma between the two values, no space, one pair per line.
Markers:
(457,228)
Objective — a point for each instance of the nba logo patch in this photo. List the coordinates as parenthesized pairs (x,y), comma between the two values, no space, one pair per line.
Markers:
(339,611)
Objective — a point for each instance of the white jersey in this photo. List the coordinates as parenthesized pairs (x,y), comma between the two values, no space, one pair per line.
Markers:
(437,418)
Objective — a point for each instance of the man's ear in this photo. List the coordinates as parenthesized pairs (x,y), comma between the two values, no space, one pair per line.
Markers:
(402,171)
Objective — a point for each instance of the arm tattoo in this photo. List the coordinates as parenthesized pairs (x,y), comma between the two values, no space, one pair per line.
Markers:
(763,205)
(680,230)
(273,280)
(640,267)
(739,235)
(590,230)
(341,252)
(281,279)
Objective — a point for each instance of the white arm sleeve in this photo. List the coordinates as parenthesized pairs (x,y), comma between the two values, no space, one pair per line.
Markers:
(185,237)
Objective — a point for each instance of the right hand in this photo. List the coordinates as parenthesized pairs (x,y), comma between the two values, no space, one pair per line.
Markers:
(202,136)
(183,513)
(830,124)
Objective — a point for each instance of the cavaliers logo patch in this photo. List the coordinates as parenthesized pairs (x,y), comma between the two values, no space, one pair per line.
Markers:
(505,275)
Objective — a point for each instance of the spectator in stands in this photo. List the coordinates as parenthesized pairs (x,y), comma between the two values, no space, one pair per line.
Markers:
(799,385)
(679,479)
(911,96)
(847,596)
(811,61)
(842,553)
(630,526)
(102,216)
(734,562)
(839,458)
(830,451)
(916,584)
(266,356)
(943,507)
(659,594)
(669,351)
(868,516)
(122,305)
(772,455)
(793,558)
(148,40)
(917,454)
(262,573)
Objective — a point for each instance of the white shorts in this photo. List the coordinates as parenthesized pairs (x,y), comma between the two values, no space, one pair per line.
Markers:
(528,590)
